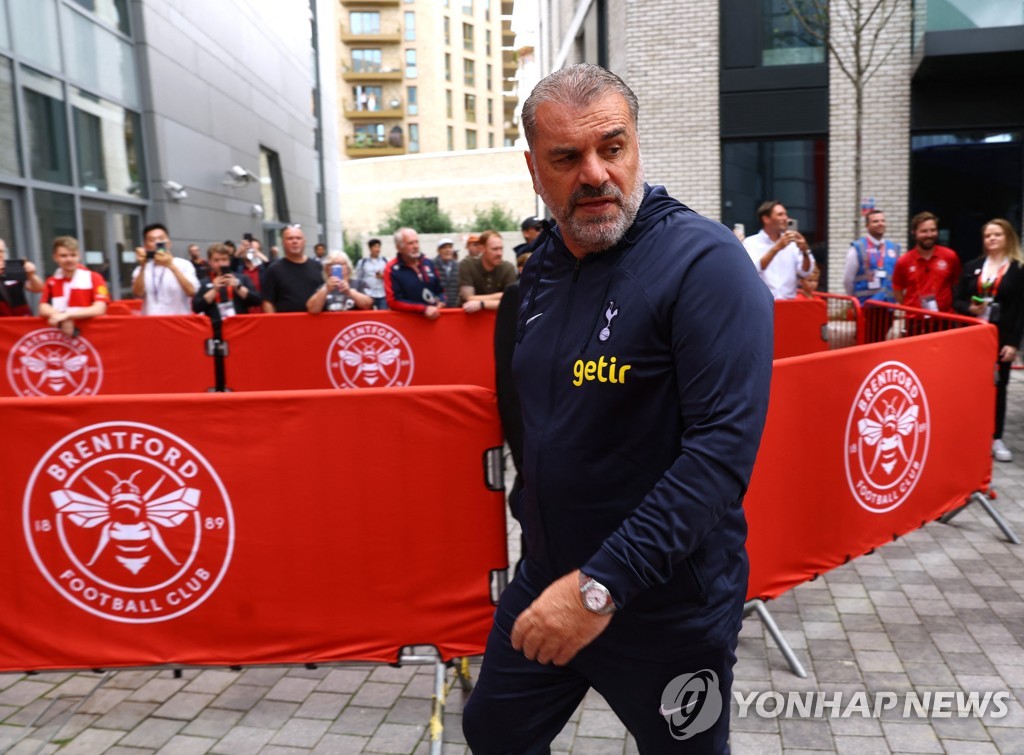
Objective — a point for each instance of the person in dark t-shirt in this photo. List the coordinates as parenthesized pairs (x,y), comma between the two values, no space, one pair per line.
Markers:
(291,280)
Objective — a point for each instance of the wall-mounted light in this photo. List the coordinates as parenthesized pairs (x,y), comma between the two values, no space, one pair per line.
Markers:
(257,211)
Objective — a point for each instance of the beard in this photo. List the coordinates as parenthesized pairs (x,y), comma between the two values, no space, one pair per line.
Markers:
(594,234)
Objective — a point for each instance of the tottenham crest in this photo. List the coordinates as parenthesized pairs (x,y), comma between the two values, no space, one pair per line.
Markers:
(128,522)
(369,355)
(887,437)
(46,362)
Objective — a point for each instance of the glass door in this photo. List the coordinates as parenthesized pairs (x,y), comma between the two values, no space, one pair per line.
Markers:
(11,228)
(111,233)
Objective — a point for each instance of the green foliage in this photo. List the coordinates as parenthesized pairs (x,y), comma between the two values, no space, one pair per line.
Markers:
(352,248)
(422,214)
(494,218)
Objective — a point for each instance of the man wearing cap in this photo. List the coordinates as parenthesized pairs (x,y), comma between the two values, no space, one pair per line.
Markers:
(448,270)
(369,275)
(482,280)
(473,246)
(531,228)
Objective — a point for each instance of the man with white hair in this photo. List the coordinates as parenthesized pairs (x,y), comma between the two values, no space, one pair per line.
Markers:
(410,281)
(642,364)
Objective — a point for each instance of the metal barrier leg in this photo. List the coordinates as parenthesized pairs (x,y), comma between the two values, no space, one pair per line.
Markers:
(1001,523)
(757,605)
(437,716)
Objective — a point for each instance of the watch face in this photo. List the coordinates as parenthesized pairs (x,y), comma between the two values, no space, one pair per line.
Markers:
(595,599)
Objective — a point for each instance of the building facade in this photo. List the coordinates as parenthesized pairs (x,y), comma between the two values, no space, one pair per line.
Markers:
(740,102)
(208,117)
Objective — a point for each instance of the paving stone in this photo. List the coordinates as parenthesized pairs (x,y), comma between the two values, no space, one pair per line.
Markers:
(212,681)
(300,732)
(325,705)
(265,676)
(153,733)
(23,692)
(845,745)
(125,716)
(393,674)
(292,689)
(410,711)
(341,744)
(601,723)
(395,738)
(744,743)
(213,722)
(131,679)
(239,697)
(377,695)
(358,720)
(809,734)
(908,737)
(79,685)
(596,746)
(243,740)
(104,700)
(184,705)
(157,690)
(343,680)
(92,741)
(181,744)
(268,714)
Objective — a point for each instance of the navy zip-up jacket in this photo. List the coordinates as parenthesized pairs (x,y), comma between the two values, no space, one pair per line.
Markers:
(643,374)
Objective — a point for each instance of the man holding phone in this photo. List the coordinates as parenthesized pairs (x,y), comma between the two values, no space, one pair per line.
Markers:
(164,282)
(779,252)
(16,277)
(224,293)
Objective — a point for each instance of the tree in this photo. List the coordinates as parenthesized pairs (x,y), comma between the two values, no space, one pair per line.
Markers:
(353,249)
(422,214)
(494,218)
(852,32)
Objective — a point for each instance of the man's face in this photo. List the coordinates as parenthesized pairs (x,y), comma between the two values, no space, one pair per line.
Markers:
(875,224)
(3,256)
(531,233)
(193,251)
(776,222)
(446,252)
(66,259)
(154,237)
(320,250)
(493,251)
(926,234)
(586,166)
(409,247)
(375,250)
(219,263)
(474,248)
(294,242)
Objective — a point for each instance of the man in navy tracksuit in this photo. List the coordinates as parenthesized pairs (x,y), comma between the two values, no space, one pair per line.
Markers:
(642,364)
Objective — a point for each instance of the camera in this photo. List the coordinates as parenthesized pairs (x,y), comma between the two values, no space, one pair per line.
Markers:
(247,237)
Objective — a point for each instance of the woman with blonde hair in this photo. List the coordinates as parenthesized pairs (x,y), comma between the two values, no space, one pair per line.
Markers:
(992,288)
(336,295)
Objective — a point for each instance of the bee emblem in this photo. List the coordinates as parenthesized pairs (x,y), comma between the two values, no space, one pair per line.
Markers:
(887,434)
(47,363)
(369,362)
(369,355)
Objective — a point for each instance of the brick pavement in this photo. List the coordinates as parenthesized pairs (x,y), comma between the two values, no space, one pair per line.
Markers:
(941,609)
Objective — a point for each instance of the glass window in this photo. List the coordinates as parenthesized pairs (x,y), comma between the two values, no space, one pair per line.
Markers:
(946,15)
(10,155)
(107,146)
(467,37)
(114,12)
(785,40)
(490,139)
(414,137)
(99,59)
(490,77)
(34,30)
(467,7)
(366,61)
(410,26)
(470,103)
(5,36)
(447,66)
(369,134)
(448,102)
(412,102)
(55,216)
(487,39)
(47,127)
(469,72)
(447,30)
(451,139)
(364,22)
(794,171)
(410,64)
(368,98)
(490,112)
(470,139)
(275,201)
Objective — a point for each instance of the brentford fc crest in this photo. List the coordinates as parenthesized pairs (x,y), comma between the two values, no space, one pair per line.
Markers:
(369,355)
(47,363)
(887,437)
(128,522)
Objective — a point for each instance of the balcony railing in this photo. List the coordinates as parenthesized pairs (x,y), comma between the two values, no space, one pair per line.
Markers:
(390,35)
(389,108)
(365,145)
(348,73)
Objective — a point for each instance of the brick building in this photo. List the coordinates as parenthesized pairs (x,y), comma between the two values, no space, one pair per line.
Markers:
(739,103)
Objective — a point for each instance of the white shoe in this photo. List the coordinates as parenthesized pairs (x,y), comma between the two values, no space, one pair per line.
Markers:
(1000,452)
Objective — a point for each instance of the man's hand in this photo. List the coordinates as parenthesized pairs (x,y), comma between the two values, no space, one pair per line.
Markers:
(432,312)
(30,269)
(556,626)
(470,307)
(140,255)
(1007,354)
(163,257)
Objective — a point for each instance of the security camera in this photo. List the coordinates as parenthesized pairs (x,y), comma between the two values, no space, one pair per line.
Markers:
(173,186)
(237,171)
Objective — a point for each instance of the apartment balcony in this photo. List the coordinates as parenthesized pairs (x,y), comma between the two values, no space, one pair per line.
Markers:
(362,145)
(364,76)
(363,113)
(370,3)
(392,36)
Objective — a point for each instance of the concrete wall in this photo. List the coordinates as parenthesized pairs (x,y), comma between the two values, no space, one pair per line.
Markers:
(225,78)
(462,182)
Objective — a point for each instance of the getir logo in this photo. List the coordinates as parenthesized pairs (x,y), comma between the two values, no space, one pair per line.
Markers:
(603,371)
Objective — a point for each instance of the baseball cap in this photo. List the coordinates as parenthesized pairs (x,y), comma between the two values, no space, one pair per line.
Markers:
(445,241)
(473,238)
(531,222)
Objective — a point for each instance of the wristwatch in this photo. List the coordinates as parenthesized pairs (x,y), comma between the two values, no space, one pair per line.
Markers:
(595,596)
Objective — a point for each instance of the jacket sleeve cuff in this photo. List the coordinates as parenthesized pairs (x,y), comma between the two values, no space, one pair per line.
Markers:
(621,579)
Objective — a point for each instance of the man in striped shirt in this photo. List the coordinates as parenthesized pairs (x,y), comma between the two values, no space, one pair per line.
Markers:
(74,292)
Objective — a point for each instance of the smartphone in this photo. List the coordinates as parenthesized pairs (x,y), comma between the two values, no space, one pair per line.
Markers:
(792,225)
(247,236)
(739,229)
(150,254)
(338,271)
(14,270)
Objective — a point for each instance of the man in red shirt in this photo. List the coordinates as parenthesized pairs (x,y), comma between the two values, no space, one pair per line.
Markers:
(73,292)
(924,277)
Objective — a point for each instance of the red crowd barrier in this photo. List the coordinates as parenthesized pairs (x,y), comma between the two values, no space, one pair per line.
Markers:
(177,530)
(113,355)
(800,326)
(359,350)
(865,444)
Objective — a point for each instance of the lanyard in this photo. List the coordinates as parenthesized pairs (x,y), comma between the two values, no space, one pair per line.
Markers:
(158,278)
(871,256)
(992,286)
